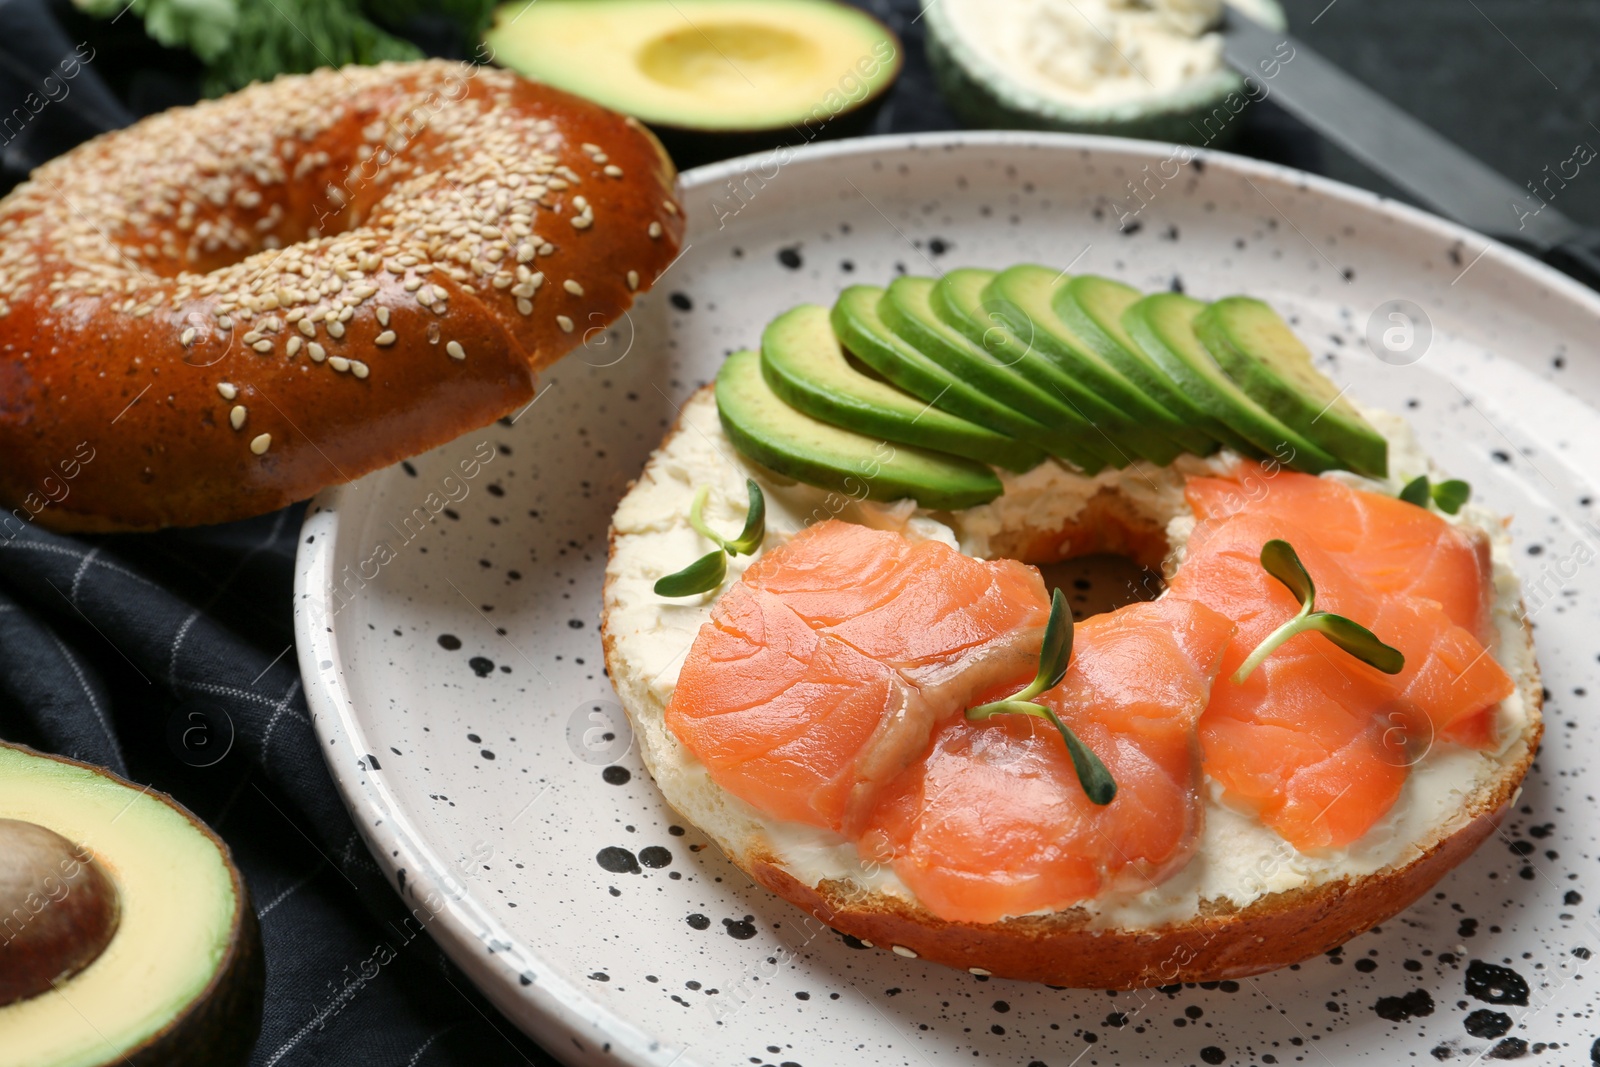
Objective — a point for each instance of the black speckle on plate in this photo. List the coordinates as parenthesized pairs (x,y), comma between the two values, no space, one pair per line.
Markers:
(617,860)
(449,642)
(790,257)
(615,775)
(655,856)
(1398,1009)
(482,666)
(1494,984)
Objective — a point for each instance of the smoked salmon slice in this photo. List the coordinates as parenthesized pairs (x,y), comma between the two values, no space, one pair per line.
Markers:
(1395,547)
(993,821)
(1315,741)
(824,670)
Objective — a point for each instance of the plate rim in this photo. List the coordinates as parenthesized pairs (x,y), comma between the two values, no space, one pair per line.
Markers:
(552,1010)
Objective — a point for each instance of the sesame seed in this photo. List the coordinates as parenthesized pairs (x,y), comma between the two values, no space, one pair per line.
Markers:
(565,323)
(187,337)
(613,171)
(358,368)
(294,345)
(227,390)
(383,316)
(672,209)
(236,417)
(901,950)
(655,229)
(979,971)
(316,352)
(261,443)
(336,330)
(385,338)
(262,345)
(251,337)
(582,222)
(524,305)
(339,363)
(526,251)
(572,287)
(455,350)
(633,280)
(547,249)
(307,327)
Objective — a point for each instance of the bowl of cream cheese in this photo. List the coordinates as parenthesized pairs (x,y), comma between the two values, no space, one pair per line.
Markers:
(1137,68)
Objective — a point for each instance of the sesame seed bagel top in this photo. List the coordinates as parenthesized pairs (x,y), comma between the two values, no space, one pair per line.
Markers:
(226,307)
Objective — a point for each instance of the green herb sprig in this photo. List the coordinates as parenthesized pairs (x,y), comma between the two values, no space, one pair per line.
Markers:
(1448,495)
(1096,780)
(707,572)
(1279,559)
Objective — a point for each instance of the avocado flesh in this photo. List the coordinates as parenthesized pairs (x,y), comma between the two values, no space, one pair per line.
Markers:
(1162,325)
(958,300)
(1258,350)
(907,309)
(1023,297)
(1092,307)
(803,363)
(727,65)
(861,330)
(185,943)
(791,443)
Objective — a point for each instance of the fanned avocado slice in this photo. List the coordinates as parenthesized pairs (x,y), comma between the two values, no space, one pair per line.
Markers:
(802,361)
(1092,307)
(958,300)
(1162,325)
(809,450)
(907,309)
(862,331)
(1023,297)
(128,932)
(1259,351)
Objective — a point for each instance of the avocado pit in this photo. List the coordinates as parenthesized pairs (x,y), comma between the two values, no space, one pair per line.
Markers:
(58,909)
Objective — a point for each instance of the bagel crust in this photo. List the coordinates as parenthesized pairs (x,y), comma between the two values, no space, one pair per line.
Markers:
(224,308)
(1083,946)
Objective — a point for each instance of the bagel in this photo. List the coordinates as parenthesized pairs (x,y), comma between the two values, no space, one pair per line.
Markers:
(224,308)
(1246,902)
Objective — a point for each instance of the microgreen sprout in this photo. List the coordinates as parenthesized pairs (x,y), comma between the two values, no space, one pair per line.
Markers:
(1096,780)
(707,572)
(1279,559)
(1447,495)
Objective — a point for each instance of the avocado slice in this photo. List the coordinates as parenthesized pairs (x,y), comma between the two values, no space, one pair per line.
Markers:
(809,450)
(802,361)
(861,330)
(1092,306)
(177,981)
(1162,325)
(958,300)
(728,66)
(1259,351)
(1023,297)
(907,309)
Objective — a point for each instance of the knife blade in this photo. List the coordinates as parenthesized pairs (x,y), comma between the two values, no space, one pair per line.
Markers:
(1416,158)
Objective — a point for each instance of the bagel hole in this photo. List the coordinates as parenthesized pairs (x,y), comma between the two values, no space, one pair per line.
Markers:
(1101,582)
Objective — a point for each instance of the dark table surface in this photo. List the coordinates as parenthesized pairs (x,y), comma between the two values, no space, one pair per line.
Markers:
(106,642)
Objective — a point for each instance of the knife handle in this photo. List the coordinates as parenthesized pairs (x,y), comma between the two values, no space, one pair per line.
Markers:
(1579,256)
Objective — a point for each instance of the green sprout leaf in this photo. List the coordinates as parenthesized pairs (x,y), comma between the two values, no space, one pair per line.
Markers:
(703,575)
(1279,559)
(1054,654)
(1451,495)
(1416,491)
(707,572)
(755,523)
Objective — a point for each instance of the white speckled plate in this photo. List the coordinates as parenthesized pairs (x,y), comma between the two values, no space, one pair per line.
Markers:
(454,665)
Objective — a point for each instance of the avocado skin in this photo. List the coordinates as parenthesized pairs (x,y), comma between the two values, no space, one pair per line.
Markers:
(220,1026)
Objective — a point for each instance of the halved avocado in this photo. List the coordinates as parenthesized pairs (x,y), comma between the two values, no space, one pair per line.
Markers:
(809,450)
(699,69)
(958,300)
(802,361)
(907,309)
(177,981)
(862,331)
(1260,352)
(1162,325)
